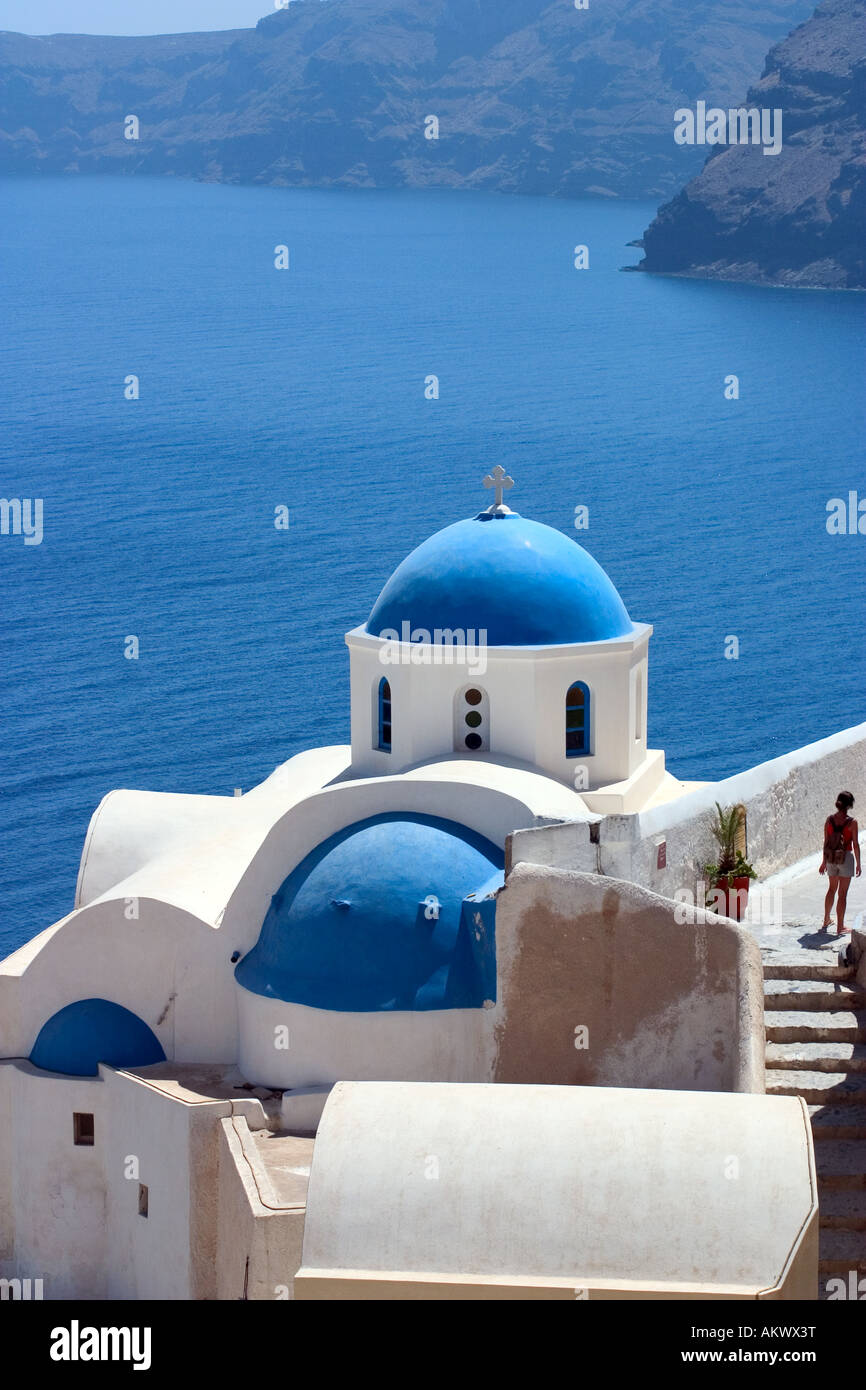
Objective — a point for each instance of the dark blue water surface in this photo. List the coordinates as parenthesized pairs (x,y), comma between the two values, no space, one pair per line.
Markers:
(305,387)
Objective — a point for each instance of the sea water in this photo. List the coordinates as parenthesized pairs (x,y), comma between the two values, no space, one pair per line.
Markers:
(237,508)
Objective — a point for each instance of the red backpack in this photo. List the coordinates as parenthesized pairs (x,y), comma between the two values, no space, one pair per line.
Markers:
(836,841)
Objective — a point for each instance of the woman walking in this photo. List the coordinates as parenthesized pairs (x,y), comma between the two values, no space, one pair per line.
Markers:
(841,859)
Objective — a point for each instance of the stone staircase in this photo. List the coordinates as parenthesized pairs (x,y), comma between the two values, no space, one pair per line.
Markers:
(815,1018)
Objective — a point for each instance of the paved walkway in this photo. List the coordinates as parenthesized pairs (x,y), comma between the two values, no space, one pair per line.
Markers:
(815,1023)
(785,912)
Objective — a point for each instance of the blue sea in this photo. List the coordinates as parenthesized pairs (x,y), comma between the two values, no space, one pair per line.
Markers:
(305,388)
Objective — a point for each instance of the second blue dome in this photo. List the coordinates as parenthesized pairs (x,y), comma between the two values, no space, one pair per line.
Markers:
(374,919)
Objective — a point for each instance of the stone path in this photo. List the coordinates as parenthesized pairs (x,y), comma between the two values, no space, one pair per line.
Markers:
(815,1018)
(786,911)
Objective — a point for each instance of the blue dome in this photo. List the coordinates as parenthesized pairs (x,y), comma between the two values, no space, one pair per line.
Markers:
(355,926)
(526,583)
(76,1039)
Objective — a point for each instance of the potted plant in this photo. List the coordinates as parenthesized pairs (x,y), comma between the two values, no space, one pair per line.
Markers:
(732,875)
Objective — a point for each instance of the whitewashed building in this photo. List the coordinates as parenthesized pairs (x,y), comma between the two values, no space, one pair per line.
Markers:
(446,900)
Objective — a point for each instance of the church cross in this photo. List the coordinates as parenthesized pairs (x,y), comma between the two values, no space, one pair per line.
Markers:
(499,480)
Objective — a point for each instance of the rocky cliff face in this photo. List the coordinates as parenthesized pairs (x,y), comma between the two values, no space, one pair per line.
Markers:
(531,96)
(798,218)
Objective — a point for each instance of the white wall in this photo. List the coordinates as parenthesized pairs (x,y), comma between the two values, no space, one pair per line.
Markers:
(167,967)
(787,801)
(259,1235)
(172,967)
(571,949)
(488,810)
(149,1256)
(130,830)
(526,688)
(56,1205)
(600,1188)
(69,1214)
(326,1046)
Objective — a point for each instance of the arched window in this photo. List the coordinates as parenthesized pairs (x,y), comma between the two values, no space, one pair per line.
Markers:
(384,715)
(577,726)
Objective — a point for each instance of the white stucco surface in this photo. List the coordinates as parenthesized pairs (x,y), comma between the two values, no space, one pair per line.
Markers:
(787,801)
(160,941)
(556,1184)
(325,1046)
(260,1214)
(525,690)
(570,949)
(593,1186)
(52,1192)
(70,1215)
(132,829)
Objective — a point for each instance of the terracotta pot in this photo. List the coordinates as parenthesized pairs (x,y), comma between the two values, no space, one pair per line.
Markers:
(736,896)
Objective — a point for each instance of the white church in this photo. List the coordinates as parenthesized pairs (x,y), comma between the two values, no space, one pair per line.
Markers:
(280,1034)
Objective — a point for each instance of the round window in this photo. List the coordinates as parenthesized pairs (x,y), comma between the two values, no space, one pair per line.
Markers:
(473,697)
(473,741)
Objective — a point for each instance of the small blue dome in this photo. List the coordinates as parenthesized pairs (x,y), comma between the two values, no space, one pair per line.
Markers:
(526,584)
(76,1039)
(375,919)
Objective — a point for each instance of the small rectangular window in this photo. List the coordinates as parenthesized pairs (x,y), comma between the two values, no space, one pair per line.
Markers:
(82,1128)
(142,1199)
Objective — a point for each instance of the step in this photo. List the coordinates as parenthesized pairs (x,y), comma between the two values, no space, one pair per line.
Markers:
(813,996)
(800,970)
(830,1025)
(838,1121)
(843,1209)
(840,1251)
(840,1163)
(817,1056)
(817,1087)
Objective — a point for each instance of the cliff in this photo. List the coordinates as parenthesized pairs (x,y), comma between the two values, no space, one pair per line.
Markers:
(797,218)
(531,96)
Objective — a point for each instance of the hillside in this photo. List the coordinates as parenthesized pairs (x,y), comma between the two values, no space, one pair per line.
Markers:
(532,96)
(798,218)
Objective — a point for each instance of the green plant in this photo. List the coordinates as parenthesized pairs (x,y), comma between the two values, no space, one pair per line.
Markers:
(714,873)
(729,823)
